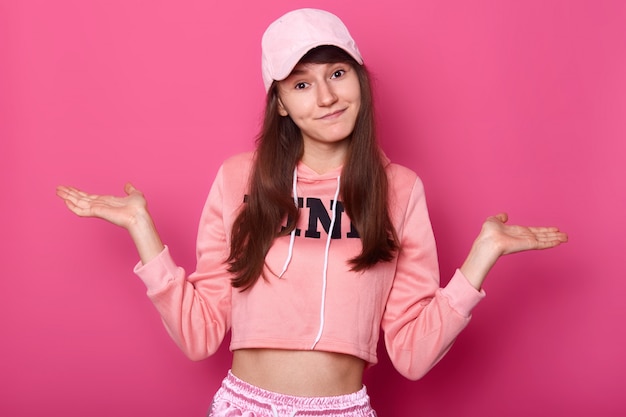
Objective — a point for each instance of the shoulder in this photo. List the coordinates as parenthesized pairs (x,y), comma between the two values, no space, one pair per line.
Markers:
(237,167)
(401,177)
(406,191)
(233,175)
(239,162)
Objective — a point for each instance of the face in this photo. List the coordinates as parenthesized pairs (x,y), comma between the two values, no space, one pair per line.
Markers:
(323,100)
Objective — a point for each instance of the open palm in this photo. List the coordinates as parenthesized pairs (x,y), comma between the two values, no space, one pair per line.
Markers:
(511,238)
(121,211)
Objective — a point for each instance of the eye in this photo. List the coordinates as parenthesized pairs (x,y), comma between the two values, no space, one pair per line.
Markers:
(338,73)
(300,86)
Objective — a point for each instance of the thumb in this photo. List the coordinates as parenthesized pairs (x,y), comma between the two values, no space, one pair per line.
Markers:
(503,217)
(129,188)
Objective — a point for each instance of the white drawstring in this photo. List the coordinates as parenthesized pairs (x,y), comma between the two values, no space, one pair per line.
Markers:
(326,252)
(325,271)
(292,237)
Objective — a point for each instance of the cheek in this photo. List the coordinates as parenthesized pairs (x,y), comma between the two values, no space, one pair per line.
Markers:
(355,98)
(357,91)
(353,91)
(298,109)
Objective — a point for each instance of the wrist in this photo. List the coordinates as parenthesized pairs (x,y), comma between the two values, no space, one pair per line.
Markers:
(481,258)
(145,236)
(141,222)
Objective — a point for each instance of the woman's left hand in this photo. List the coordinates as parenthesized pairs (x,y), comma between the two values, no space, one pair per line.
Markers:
(508,239)
(497,238)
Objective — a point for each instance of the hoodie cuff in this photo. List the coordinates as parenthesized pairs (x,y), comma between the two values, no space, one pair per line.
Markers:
(158,272)
(461,295)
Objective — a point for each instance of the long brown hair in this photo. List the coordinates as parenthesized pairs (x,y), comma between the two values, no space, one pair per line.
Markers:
(269,201)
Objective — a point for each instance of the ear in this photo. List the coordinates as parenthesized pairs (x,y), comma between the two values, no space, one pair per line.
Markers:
(281,108)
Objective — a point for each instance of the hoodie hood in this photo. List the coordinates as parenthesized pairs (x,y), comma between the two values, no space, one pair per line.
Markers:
(308,175)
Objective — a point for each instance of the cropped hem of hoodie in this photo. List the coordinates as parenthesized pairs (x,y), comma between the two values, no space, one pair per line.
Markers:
(310,299)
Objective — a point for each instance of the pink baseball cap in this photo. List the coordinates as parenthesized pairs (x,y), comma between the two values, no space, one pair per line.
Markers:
(294,34)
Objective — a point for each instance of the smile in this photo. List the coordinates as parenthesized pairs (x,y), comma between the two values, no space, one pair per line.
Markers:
(333,115)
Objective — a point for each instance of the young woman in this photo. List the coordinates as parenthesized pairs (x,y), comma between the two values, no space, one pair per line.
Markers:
(310,245)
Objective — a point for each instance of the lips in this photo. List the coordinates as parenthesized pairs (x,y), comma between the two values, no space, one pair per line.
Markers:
(332,115)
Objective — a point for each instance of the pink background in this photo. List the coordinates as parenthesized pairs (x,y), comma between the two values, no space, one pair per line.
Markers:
(498,105)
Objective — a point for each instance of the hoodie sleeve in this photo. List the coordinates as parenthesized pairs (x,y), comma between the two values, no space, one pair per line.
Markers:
(195,309)
(422,320)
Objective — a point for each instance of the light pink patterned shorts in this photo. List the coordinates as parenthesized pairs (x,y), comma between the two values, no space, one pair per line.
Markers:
(238,398)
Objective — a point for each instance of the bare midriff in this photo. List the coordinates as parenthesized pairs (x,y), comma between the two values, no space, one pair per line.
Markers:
(299,373)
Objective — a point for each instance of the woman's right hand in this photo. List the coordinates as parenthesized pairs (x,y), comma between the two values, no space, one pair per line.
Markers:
(121,211)
(129,212)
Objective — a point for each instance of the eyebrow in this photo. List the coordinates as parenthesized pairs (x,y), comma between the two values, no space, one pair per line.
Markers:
(300,71)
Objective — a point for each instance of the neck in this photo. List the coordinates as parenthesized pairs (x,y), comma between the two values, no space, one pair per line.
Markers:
(322,159)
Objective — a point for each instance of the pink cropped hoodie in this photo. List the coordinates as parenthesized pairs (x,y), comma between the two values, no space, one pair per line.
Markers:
(310,299)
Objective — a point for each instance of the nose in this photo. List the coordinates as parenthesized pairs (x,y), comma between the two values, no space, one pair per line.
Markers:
(325,94)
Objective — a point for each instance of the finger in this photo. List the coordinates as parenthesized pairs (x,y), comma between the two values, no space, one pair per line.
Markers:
(66,193)
(129,188)
(68,188)
(551,235)
(502,217)
(70,192)
(543,229)
(547,244)
(80,202)
(550,241)
(557,237)
(61,191)
(65,190)
(82,211)
(87,203)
